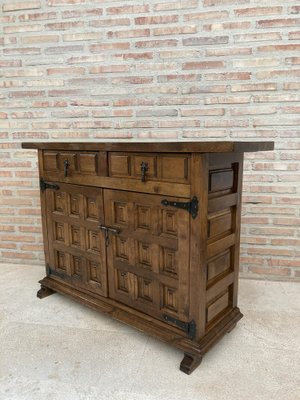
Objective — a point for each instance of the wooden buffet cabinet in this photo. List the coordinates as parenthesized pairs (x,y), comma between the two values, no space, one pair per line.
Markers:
(148,233)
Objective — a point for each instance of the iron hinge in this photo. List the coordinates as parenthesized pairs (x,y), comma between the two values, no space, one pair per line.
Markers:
(188,327)
(45,185)
(191,206)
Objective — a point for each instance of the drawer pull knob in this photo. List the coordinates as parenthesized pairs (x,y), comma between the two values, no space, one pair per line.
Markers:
(66,166)
(144,169)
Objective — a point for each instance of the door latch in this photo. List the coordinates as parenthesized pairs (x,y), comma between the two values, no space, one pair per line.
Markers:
(108,229)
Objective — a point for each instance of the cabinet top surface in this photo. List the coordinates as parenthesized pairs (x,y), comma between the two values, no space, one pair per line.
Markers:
(163,146)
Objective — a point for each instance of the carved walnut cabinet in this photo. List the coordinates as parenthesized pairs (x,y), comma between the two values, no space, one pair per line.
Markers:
(148,233)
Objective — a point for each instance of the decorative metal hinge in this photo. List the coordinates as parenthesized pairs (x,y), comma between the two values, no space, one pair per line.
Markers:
(45,185)
(188,327)
(191,206)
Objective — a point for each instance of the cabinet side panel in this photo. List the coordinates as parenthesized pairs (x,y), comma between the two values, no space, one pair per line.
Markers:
(198,234)
(43,209)
(223,230)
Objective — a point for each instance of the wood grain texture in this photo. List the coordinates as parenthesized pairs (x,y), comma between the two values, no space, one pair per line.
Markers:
(157,147)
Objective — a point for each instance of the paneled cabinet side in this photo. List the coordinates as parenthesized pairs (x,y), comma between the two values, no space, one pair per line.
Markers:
(43,209)
(198,235)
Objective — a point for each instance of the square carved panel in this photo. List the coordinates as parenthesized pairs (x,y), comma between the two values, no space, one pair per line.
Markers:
(168,261)
(145,289)
(94,273)
(76,266)
(121,213)
(169,222)
(93,241)
(122,281)
(122,249)
(61,260)
(75,237)
(74,205)
(59,232)
(59,202)
(143,217)
(144,254)
(169,298)
(92,209)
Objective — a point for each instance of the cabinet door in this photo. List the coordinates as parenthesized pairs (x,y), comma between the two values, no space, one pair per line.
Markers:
(148,260)
(77,250)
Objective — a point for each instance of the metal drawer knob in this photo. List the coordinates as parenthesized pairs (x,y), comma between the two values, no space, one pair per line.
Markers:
(144,169)
(66,166)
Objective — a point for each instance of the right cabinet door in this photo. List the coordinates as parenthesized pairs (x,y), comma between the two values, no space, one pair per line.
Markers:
(148,260)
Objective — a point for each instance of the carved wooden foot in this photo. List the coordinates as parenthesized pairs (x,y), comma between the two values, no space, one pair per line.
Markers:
(231,328)
(189,363)
(44,292)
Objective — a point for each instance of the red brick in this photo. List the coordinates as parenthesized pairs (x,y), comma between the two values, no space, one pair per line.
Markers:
(158,19)
(270,271)
(255,11)
(279,47)
(205,40)
(281,22)
(294,35)
(257,36)
(157,43)
(127,10)
(203,65)
(63,26)
(176,5)
(220,26)
(25,5)
(37,16)
(129,33)
(110,22)
(98,48)
(206,15)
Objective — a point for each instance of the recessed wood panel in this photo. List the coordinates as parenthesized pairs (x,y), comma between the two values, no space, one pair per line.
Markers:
(219,265)
(122,248)
(220,223)
(92,208)
(50,160)
(219,305)
(74,235)
(61,260)
(93,241)
(59,202)
(74,205)
(121,280)
(169,298)
(59,232)
(120,213)
(220,180)
(168,262)
(144,255)
(143,217)
(76,266)
(169,222)
(145,289)
(94,273)
(119,165)
(173,168)
(88,163)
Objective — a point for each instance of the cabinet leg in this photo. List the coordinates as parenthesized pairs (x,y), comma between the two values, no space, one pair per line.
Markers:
(189,363)
(44,292)
(231,328)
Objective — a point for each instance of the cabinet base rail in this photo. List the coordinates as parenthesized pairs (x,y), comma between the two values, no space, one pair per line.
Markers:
(193,350)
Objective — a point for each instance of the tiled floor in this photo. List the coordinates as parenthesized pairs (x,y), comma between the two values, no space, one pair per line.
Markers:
(56,349)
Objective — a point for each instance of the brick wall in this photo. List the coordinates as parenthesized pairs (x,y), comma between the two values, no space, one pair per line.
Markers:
(131,70)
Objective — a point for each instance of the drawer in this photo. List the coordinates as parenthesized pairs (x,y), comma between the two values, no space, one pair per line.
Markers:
(68,164)
(173,168)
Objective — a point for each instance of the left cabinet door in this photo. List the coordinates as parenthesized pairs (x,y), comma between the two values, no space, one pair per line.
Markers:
(77,252)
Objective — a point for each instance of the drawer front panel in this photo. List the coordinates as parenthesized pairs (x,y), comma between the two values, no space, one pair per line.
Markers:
(174,168)
(71,164)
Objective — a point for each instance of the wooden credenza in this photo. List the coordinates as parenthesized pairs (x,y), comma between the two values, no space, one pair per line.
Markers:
(148,233)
